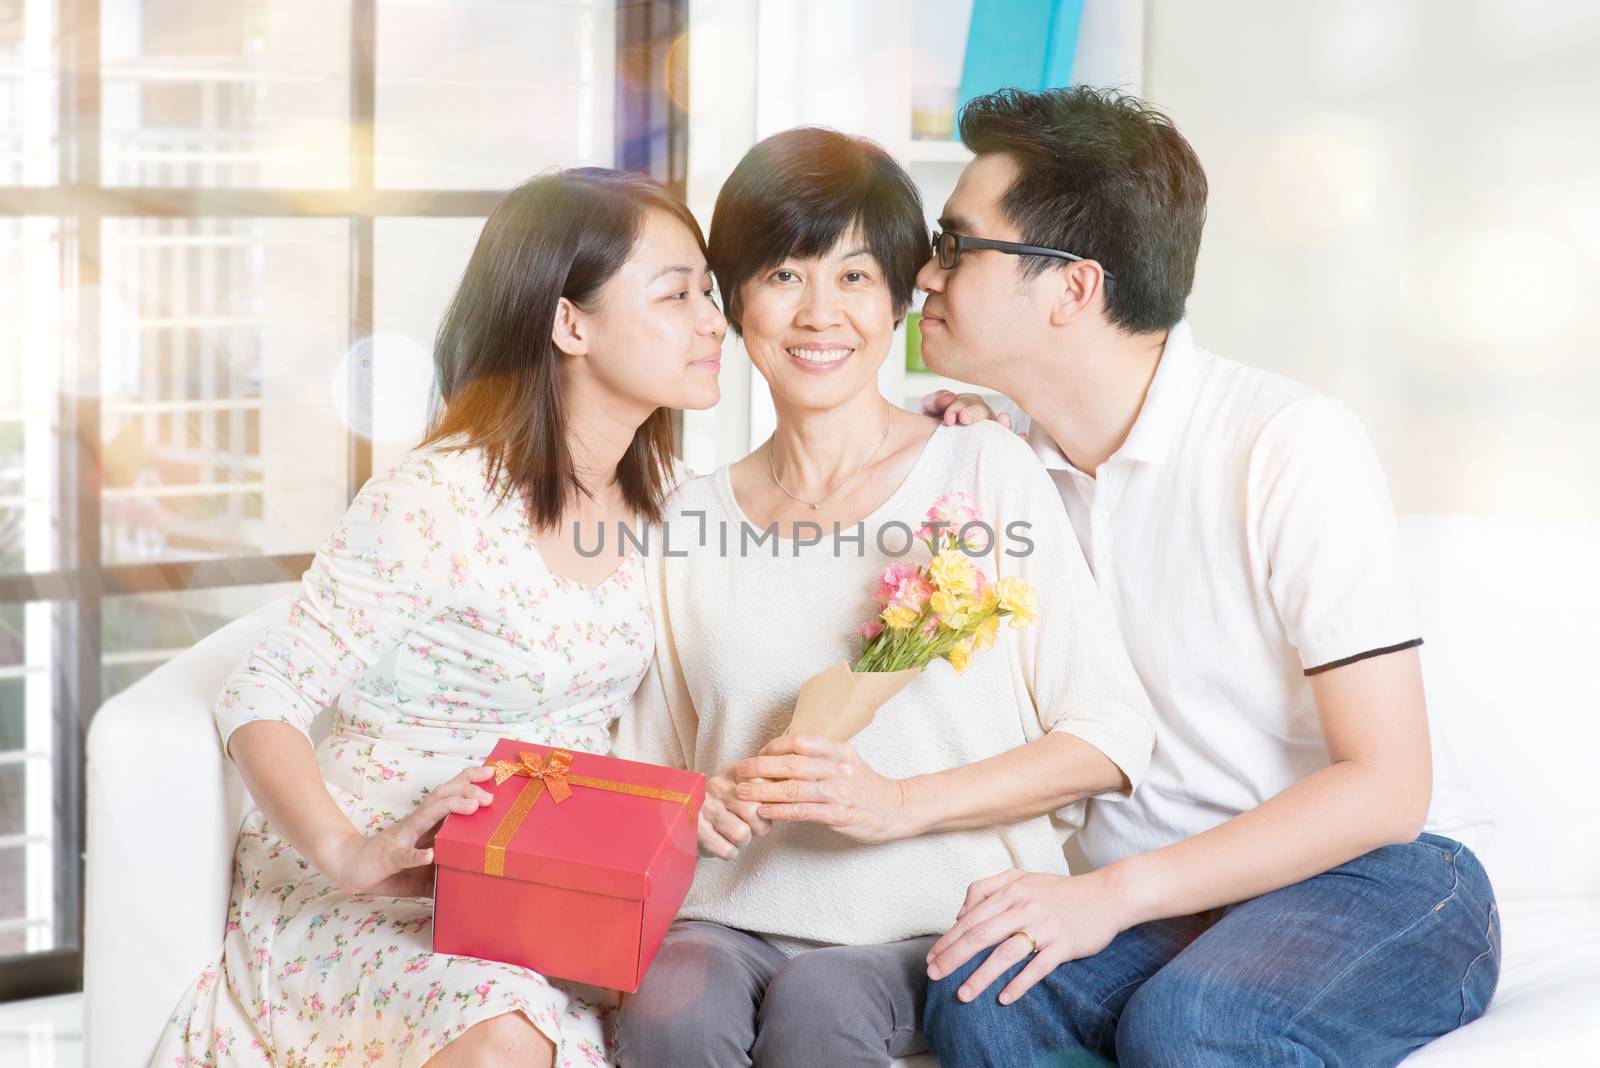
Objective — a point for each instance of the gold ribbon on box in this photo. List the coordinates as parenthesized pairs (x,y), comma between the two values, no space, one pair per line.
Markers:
(552,775)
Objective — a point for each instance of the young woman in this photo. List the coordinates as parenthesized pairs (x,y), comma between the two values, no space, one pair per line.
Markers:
(448,609)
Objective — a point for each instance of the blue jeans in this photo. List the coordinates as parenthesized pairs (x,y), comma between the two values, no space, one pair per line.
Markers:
(1358,966)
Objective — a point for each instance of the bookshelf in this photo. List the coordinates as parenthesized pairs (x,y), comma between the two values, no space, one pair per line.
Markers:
(1109,52)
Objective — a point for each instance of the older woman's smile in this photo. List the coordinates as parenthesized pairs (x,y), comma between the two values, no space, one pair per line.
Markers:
(817,358)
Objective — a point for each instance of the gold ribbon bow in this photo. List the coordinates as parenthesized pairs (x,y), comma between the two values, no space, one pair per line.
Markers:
(553,774)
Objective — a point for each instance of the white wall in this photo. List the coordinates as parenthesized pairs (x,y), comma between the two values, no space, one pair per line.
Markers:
(1405,212)
(722,127)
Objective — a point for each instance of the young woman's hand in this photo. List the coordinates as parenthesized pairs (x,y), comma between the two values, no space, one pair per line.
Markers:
(805,779)
(727,823)
(397,861)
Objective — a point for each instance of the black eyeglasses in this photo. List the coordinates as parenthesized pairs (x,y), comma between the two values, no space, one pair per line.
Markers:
(947,248)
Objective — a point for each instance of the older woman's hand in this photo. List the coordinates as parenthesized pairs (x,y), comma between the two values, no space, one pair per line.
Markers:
(805,779)
(727,823)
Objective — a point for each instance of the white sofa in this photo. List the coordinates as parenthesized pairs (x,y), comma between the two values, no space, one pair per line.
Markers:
(1508,610)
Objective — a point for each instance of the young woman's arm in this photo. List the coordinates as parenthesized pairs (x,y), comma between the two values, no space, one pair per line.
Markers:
(387,567)
(280,770)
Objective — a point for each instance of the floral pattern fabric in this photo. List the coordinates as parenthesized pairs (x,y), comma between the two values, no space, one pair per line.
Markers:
(430,623)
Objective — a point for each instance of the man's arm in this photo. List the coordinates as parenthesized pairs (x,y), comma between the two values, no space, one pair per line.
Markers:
(1374,792)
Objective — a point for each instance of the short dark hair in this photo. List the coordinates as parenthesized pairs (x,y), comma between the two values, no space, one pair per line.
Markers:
(797,193)
(1107,176)
(563,234)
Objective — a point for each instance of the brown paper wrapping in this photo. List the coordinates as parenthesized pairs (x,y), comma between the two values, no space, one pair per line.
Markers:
(839,703)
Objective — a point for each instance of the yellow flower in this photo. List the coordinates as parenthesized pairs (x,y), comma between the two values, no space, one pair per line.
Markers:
(1018,598)
(989,599)
(960,656)
(985,635)
(952,609)
(899,618)
(952,572)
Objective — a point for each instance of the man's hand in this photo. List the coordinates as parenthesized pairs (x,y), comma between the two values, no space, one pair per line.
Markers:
(965,409)
(727,823)
(1069,916)
(805,779)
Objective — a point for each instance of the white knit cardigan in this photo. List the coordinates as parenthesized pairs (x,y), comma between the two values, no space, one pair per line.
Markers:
(736,635)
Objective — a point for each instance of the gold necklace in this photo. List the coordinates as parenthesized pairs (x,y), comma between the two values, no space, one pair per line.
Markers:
(814,505)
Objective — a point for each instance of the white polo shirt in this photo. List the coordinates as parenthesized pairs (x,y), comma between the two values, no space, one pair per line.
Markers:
(1244,537)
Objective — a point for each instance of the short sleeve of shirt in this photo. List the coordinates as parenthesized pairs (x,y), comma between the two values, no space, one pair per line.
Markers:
(1325,523)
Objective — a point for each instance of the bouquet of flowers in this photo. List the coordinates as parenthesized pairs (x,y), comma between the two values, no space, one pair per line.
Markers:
(945,609)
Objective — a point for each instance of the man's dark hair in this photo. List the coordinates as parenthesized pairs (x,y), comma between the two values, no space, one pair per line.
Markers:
(1106,176)
(798,193)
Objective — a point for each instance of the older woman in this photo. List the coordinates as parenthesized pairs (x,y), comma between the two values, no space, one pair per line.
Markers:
(829,865)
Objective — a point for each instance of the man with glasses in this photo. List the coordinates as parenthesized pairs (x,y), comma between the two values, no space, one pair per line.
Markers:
(947,248)
(1289,885)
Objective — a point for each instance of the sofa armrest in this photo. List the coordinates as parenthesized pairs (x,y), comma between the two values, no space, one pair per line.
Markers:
(164,808)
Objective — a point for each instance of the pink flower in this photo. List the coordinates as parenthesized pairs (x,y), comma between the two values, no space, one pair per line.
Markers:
(912,593)
(893,576)
(953,509)
(870,630)
(949,514)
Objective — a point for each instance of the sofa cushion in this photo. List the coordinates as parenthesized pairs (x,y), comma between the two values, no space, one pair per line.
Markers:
(1544,1012)
(1507,608)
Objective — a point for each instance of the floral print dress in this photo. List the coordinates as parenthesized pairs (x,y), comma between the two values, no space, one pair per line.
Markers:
(431,622)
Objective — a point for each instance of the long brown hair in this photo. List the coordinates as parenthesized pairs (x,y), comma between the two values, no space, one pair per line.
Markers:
(558,235)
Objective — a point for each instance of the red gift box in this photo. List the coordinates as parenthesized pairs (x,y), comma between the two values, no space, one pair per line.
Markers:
(576,869)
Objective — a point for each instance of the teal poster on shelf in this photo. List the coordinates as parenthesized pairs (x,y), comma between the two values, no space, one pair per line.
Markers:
(1065,18)
(1023,44)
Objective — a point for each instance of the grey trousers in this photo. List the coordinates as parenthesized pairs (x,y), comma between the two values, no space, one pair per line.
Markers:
(716,997)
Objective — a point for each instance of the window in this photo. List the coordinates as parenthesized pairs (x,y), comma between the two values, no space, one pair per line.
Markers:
(228,231)
(29,88)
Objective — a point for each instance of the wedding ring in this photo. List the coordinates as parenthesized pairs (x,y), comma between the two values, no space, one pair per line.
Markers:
(1029,937)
